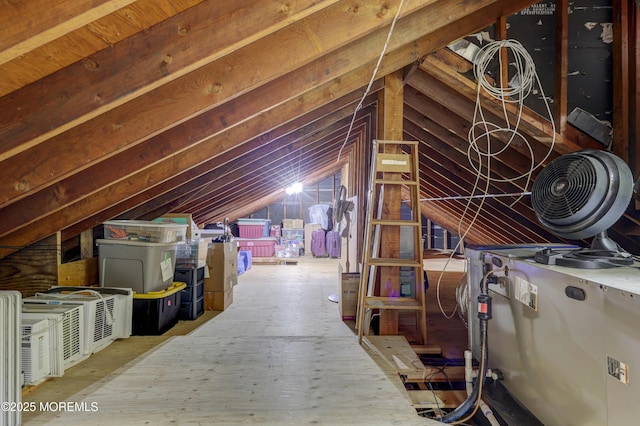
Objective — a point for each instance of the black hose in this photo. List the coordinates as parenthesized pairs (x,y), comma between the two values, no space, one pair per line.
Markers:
(472,400)
(474,397)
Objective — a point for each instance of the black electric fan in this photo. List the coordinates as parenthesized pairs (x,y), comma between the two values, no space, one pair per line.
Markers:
(342,216)
(581,195)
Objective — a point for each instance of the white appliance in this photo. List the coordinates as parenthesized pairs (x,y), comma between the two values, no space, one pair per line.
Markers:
(566,339)
(98,315)
(35,350)
(66,328)
(123,308)
(10,355)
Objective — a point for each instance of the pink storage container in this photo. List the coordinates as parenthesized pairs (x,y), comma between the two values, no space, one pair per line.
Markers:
(250,231)
(252,228)
(259,247)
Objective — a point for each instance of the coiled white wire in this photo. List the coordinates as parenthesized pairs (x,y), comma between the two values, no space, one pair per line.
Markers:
(524,81)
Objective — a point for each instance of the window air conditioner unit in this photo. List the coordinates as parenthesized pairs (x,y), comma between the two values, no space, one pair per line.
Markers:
(66,333)
(98,316)
(123,309)
(35,350)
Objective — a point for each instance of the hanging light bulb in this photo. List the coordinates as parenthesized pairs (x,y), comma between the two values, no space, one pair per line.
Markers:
(296,188)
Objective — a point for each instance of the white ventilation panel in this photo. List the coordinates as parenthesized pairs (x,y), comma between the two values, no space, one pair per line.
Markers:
(10,356)
(35,350)
(67,333)
(99,313)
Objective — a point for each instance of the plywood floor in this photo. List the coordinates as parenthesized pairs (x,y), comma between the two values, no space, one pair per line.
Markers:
(279,355)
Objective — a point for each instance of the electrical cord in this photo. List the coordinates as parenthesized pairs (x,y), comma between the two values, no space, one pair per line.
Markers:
(523,82)
(401,8)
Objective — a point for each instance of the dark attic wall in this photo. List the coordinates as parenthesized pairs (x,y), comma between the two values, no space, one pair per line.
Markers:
(590,60)
(592,99)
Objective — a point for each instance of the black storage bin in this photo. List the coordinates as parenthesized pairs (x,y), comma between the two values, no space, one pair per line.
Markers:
(156,312)
(192,299)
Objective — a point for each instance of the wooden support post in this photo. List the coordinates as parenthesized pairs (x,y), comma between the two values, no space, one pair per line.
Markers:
(561,66)
(621,84)
(501,34)
(86,244)
(390,235)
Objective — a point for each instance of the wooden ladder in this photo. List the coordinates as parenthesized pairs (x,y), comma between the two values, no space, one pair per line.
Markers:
(402,271)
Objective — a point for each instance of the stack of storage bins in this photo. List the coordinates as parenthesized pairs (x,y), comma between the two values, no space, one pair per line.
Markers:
(191,260)
(192,297)
(141,255)
(291,243)
(254,236)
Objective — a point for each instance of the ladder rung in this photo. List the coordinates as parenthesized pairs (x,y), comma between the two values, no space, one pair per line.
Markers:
(392,142)
(382,261)
(401,163)
(396,222)
(396,182)
(380,302)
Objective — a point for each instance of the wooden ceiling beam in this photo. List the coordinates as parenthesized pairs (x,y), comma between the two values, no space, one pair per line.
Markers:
(275,175)
(621,77)
(277,163)
(143,201)
(47,21)
(492,217)
(452,178)
(183,185)
(531,123)
(172,49)
(437,109)
(135,121)
(561,66)
(85,41)
(461,21)
(240,71)
(264,199)
(96,189)
(459,164)
(236,204)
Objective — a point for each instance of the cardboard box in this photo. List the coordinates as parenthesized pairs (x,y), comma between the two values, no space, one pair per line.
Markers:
(218,300)
(348,294)
(221,272)
(297,223)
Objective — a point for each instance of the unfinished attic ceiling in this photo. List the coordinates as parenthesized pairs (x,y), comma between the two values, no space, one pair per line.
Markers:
(132,109)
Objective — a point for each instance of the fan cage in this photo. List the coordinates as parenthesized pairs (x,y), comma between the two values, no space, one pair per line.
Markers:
(565,188)
(581,194)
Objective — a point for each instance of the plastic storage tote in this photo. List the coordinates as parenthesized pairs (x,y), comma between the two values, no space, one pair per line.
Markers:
(156,312)
(141,266)
(146,231)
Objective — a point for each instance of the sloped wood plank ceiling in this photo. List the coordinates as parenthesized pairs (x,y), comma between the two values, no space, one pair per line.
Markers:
(132,109)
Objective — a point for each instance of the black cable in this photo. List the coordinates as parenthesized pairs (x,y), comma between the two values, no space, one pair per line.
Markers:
(472,400)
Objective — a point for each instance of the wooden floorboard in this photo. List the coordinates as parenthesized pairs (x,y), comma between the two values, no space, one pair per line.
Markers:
(280,354)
